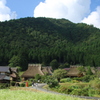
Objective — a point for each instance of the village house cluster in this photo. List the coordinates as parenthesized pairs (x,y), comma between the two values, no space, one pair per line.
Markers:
(8,74)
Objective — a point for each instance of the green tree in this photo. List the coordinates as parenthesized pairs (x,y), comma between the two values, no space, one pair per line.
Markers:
(54,63)
(81,69)
(14,61)
(89,71)
(65,65)
(59,73)
(38,77)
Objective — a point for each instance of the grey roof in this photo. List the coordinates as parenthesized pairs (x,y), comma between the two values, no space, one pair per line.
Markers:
(5,69)
(4,77)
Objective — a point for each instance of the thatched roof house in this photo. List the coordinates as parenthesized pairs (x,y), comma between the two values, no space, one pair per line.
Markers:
(73,72)
(34,69)
(47,70)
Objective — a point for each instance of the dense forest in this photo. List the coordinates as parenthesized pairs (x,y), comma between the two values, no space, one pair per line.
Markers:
(41,40)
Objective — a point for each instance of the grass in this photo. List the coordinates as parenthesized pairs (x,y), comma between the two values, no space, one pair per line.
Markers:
(31,94)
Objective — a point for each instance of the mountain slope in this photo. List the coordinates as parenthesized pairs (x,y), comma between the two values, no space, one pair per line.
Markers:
(40,40)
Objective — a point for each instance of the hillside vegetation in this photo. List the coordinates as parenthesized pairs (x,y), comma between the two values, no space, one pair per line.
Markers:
(40,40)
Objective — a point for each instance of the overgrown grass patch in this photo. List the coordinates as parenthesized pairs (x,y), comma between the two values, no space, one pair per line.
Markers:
(80,89)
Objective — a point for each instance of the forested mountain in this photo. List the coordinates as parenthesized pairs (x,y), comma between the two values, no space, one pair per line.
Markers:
(40,40)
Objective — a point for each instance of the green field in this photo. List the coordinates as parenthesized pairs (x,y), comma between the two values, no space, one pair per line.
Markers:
(7,94)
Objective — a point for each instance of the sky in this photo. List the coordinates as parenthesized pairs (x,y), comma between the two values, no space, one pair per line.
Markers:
(77,11)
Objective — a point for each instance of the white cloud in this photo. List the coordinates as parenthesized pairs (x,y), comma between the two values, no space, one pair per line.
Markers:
(74,10)
(5,12)
(93,18)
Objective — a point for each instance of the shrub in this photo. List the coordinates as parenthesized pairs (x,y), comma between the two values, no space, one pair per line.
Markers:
(3,85)
(74,81)
(22,85)
(53,83)
(29,83)
(65,80)
(91,92)
(65,89)
(68,79)
(85,91)
(76,92)
(38,77)
(44,78)
(86,78)
(12,83)
(95,83)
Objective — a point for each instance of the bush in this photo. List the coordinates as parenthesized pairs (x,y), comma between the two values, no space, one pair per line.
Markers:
(76,92)
(44,78)
(65,89)
(12,83)
(29,83)
(95,83)
(38,77)
(22,85)
(3,85)
(91,92)
(65,80)
(86,78)
(53,84)
(74,81)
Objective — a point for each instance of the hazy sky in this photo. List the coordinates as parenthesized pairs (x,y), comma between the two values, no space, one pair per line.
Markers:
(86,11)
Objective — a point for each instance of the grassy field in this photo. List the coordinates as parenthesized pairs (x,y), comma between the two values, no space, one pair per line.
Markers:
(15,94)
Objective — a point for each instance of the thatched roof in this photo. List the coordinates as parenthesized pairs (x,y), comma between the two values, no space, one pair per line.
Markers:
(47,70)
(32,70)
(98,69)
(14,69)
(73,72)
(67,69)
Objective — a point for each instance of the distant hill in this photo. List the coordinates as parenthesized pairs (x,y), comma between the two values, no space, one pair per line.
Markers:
(40,40)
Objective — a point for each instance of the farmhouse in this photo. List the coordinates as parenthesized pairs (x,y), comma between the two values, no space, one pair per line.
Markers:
(73,72)
(14,76)
(34,69)
(7,74)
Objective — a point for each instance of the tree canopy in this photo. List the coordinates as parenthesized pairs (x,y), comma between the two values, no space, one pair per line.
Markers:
(59,73)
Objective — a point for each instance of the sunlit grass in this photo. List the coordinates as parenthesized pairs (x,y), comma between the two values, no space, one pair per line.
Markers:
(8,94)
